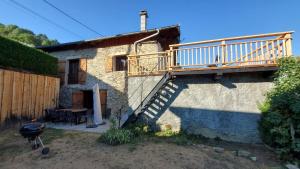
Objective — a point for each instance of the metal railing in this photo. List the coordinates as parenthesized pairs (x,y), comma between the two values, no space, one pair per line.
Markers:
(262,49)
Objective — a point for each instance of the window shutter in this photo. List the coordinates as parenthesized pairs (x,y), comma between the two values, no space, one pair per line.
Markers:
(109,64)
(82,70)
(61,71)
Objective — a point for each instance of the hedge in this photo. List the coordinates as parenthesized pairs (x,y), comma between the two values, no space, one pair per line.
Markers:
(21,57)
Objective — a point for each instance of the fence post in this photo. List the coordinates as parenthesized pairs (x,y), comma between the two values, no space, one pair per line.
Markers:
(289,44)
(171,58)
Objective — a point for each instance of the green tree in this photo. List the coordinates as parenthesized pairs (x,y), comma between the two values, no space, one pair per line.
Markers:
(25,36)
(280,122)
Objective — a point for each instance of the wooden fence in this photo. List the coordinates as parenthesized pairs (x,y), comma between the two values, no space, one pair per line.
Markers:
(25,95)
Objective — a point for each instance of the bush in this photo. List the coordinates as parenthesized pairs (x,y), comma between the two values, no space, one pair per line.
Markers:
(117,136)
(280,123)
(16,55)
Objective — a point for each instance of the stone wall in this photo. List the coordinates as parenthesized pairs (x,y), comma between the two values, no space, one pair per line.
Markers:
(115,82)
(225,108)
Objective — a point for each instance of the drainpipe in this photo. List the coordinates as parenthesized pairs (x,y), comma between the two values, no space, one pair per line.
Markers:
(146,38)
(135,52)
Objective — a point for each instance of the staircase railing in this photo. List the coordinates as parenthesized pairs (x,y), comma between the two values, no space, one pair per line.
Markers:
(143,102)
(143,64)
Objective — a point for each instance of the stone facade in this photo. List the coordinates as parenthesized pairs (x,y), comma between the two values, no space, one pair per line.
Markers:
(115,82)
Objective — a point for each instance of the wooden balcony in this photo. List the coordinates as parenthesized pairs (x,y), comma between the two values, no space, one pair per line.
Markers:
(255,53)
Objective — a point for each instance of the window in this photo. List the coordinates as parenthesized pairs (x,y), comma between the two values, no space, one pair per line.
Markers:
(121,63)
(73,71)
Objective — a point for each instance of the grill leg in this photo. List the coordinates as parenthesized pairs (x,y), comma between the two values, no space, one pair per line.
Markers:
(40,140)
(34,143)
(45,149)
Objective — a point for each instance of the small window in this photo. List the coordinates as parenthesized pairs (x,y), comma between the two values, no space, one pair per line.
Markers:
(73,71)
(121,63)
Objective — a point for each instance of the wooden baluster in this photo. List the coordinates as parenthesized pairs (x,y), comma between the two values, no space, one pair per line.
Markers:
(241,52)
(204,50)
(278,49)
(251,52)
(183,56)
(218,47)
(214,56)
(192,56)
(177,58)
(209,57)
(262,53)
(201,61)
(273,51)
(256,53)
(223,52)
(231,54)
(196,56)
(268,51)
(246,52)
(236,53)
(188,56)
(172,58)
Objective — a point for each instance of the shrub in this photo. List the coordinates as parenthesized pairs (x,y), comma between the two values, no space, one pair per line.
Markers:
(16,55)
(116,136)
(280,123)
(139,129)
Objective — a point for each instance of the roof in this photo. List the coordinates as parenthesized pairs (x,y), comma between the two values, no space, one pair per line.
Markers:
(169,34)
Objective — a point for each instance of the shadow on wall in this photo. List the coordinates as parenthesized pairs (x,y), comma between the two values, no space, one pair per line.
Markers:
(228,125)
(173,107)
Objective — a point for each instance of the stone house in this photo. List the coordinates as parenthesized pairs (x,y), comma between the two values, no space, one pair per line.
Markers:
(82,64)
(210,87)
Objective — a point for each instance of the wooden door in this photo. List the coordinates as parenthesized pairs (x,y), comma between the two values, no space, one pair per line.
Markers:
(103,101)
(77,99)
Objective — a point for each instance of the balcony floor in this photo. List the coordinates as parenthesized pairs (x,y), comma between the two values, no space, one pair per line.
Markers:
(225,69)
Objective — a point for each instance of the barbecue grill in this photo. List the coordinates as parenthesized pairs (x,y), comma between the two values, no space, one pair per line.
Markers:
(32,132)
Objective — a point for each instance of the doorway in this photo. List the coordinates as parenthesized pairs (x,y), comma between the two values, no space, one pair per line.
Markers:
(84,99)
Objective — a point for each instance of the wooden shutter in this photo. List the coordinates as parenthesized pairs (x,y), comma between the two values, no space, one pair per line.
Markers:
(82,70)
(77,99)
(109,64)
(61,71)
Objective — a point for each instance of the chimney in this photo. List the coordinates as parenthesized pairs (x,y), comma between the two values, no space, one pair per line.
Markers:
(143,16)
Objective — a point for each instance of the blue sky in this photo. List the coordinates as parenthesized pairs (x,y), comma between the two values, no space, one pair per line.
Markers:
(198,19)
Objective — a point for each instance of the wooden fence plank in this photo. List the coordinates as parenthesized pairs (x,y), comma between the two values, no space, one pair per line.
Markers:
(1,93)
(20,96)
(16,94)
(26,95)
(6,108)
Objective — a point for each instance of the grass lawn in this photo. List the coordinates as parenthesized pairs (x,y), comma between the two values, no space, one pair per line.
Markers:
(70,149)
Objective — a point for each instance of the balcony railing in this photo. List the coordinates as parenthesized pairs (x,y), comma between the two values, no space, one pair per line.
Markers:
(262,49)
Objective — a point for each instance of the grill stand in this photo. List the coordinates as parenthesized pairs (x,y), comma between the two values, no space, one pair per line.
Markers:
(36,142)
